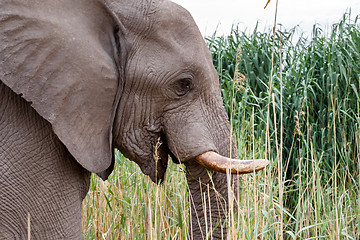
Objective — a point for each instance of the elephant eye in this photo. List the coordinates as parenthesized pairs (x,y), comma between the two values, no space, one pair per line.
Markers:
(183,86)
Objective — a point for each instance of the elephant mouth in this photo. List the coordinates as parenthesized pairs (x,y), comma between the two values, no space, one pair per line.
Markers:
(162,148)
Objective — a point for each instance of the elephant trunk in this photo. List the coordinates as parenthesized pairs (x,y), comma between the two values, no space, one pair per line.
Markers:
(204,144)
(209,201)
(211,190)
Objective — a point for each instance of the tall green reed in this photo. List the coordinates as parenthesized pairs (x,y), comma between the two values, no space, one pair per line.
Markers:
(320,108)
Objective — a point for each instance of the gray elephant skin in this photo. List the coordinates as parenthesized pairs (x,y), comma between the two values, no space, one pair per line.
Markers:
(80,78)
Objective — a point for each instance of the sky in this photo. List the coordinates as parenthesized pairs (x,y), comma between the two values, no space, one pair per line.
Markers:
(220,15)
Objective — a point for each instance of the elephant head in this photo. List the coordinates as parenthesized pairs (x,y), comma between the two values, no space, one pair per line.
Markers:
(132,75)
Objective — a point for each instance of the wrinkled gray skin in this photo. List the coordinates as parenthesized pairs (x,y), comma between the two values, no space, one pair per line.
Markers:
(80,78)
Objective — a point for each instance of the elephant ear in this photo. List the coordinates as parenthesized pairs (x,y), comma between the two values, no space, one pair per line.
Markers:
(61,62)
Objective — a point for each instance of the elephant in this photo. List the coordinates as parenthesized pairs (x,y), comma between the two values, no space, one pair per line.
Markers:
(82,78)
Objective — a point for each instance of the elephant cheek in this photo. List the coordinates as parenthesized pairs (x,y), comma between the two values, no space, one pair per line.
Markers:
(149,151)
(190,140)
(200,128)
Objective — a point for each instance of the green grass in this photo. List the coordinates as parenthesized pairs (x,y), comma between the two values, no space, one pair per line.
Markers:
(320,151)
(130,206)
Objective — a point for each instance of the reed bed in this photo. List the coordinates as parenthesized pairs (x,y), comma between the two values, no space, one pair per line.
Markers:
(307,122)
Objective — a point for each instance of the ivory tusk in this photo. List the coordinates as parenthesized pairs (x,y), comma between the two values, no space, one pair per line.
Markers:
(218,163)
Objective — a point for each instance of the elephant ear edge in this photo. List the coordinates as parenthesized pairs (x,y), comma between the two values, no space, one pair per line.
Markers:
(68,75)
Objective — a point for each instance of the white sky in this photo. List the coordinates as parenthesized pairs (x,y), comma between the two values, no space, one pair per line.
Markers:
(222,14)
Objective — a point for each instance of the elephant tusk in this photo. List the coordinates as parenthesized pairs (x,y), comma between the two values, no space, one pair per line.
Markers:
(218,163)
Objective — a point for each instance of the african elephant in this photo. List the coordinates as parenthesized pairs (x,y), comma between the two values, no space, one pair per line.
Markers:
(80,78)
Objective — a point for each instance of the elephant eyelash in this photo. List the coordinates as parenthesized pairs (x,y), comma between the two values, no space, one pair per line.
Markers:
(185,82)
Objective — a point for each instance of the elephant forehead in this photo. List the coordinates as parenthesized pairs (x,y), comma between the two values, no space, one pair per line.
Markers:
(175,42)
(176,25)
